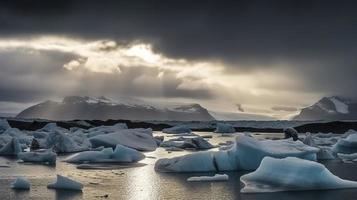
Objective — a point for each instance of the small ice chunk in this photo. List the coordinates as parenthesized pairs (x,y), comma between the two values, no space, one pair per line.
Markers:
(224,128)
(184,143)
(216,177)
(291,133)
(289,174)
(177,129)
(21,184)
(43,157)
(349,157)
(64,183)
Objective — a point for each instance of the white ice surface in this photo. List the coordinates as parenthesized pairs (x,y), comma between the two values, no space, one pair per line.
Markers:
(340,106)
(65,183)
(216,177)
(274,175)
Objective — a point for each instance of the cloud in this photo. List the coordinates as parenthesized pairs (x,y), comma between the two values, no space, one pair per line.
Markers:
(284,108)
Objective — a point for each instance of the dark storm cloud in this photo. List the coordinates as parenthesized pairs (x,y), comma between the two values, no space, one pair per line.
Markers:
(28,76)
(315,39)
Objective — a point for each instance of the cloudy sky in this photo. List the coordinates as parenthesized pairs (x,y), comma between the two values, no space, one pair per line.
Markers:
(263,57)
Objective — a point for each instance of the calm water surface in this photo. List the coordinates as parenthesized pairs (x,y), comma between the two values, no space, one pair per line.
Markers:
(142,182)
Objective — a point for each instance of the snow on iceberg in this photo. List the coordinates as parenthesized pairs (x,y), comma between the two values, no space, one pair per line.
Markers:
(245,154)
(46,156)
(121,154)
(224,128)
(216,177)
(12,148)
(65,183)
(289,174)
(140,139)
(346,145)
(21,184)
(177,129)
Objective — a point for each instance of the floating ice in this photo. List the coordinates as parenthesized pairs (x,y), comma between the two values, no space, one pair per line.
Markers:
(346,145)
(65,183)
(224,128)
(191,143)
(99,130)
(4,125)
(245,154)
(291,133)
(216,177)
(47,156)
(274,175)
(16,133)
(348,157)
(139,139)
(67,143)
(121,154)
(12,148)
(21,184)
(177,129)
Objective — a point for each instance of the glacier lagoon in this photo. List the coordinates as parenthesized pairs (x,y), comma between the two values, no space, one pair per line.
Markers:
(141,181)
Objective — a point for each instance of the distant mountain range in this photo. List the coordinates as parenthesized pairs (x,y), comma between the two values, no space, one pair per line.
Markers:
(102,108)
(330,108)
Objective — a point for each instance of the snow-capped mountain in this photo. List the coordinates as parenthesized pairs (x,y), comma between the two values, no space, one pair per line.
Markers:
(102,108)
(330,108)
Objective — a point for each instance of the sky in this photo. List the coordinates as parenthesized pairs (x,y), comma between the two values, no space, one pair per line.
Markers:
(260,57)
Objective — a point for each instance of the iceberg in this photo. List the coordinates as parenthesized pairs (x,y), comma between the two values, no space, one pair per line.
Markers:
(184,143)
(21,184)
(16,133)
(291,133)
(245,154)
(289,174)
(224,128)
(348,157)
(12,148)
(46,156)
(139,139)
(65,183)
(4,125)
(177,129)
(121,154)
(346,145)
(216,177)
(67,143)
(99,130)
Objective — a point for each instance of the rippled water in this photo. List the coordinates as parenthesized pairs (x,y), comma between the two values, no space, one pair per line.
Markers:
(142,182)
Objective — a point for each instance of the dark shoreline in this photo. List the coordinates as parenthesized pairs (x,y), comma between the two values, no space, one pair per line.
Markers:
(313,127)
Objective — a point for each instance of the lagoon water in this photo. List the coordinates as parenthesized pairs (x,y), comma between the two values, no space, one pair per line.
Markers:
(142,182)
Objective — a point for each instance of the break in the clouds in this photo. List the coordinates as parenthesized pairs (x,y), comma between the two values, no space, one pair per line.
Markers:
(271,54)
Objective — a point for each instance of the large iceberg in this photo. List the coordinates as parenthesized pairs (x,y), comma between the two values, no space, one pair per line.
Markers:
(21,184)
(346,145)
(121,154)
(16,133)
(99,130)
(47,157)
(65,183)
(177,129)
(12,148)
(139,139)
(245,154)
(291,174)
(224,128)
